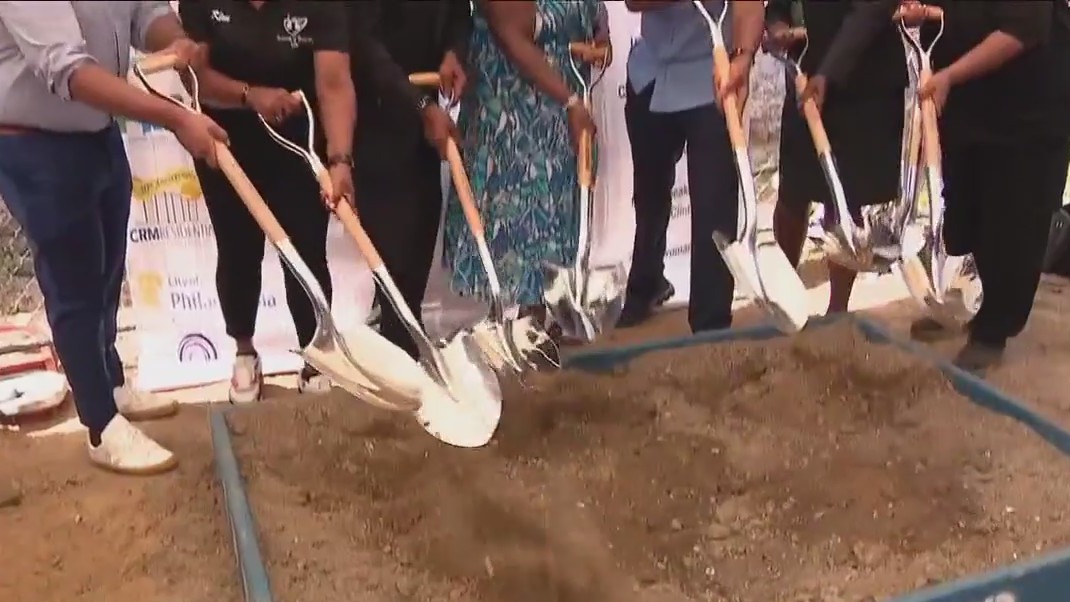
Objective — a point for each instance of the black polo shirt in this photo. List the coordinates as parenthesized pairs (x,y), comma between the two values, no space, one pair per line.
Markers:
(271,46)
(1026,99)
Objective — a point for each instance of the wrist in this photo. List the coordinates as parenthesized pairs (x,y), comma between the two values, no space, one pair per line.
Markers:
(572,102)
(172,115)
(337,160)
(245,90)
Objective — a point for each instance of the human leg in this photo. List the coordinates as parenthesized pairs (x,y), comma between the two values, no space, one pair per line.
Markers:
(657,144)
(239,257)
(55,186)
(714,184)
(1023,185)
(402,219)
(801,183)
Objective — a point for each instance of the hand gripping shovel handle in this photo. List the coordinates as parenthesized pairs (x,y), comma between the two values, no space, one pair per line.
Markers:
(593,54)
(732,114)
(913,14)
(157,62)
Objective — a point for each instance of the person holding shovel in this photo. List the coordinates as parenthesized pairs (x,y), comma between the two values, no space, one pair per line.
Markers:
(672,103)
(255,54)
(856,65)
(1002,89)
(64,177)
(402,134)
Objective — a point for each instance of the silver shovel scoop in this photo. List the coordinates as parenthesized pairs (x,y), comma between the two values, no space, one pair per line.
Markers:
(585,300)
(461,401)
(518,344)
(761,271)
(358,370)
(947,287)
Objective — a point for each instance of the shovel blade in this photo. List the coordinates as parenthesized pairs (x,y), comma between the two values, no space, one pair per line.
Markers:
(603,299)
(952,308)
(768,277)
(466,411)
(331,359)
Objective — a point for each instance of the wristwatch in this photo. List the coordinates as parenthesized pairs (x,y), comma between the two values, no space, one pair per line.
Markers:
(340,159)
(424,102)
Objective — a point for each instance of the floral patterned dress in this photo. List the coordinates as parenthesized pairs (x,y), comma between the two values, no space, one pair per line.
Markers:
(518,153)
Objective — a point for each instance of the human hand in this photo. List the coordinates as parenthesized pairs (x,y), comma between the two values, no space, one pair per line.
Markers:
(199,135)
(779,39)
(439,128)
(936,88)
(580,121)
(341,176)
(815,91)
(736,82)
(273,104)
(186,53)
(453,77)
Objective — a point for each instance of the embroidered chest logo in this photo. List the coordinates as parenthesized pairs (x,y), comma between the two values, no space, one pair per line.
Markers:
(219,16)
(294,27)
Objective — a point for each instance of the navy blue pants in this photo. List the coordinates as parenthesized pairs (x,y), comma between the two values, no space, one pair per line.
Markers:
(71,195)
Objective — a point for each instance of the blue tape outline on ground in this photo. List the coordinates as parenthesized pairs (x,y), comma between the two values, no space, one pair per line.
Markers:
(1046,579)
(256,587)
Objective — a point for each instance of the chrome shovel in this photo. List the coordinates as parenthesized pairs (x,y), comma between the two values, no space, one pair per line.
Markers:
(585,300)
(946,286)
(374,371)
(761,271)
(461,402)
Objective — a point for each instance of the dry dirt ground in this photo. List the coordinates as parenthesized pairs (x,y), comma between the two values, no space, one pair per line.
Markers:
(822,469)
(80,535)
(635,486)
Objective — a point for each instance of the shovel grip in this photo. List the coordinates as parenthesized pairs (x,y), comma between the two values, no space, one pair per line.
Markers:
(930,145)
(464,190)
(426,79)
(913,14)
(157,62)
(249,195)
(795,34)
(732,114)
(813,118)
(593,54)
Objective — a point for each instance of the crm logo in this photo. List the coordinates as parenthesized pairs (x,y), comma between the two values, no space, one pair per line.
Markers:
(148,289)
(197,348)
(182,181)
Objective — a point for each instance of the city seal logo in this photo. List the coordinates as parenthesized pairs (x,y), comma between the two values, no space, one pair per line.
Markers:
(197,348)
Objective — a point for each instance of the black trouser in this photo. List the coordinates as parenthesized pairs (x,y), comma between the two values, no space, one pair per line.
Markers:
(291,192)
(399,199)
(658,141)
(999,202)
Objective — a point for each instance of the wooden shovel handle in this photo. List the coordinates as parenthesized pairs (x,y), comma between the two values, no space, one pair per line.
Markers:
(249,195)
(813,118)
(795,34)
(348,216)
(154,63)
(584,159)
(930,131)
(463,185)
(733,117)
(425,79)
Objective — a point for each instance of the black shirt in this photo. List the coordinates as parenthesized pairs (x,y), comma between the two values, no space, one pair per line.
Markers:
(392,38)
(854,43)
(271,46)
(1026,99)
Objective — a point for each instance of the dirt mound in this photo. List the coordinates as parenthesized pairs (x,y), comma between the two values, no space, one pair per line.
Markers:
(821,468)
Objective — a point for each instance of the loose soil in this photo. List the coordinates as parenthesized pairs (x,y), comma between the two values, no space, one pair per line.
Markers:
(818,469)
(79,534)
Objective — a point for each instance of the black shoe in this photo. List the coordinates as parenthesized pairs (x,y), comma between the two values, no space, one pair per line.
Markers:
(928,330)
(636,310)
(977,357)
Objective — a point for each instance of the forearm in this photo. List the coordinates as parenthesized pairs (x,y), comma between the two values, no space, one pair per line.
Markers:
(221,90)
(991,54)
(99,88)
(748,24)
(642,6)
(163,32)
(338,113)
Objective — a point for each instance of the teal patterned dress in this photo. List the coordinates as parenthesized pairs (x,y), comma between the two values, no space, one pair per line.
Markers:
(519,156)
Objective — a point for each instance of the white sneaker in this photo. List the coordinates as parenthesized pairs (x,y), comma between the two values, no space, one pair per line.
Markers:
(142,405)
(313,383)
(247,379)
(126,450)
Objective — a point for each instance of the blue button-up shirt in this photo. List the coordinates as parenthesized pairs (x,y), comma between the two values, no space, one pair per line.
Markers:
(43,43)
(675,54)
